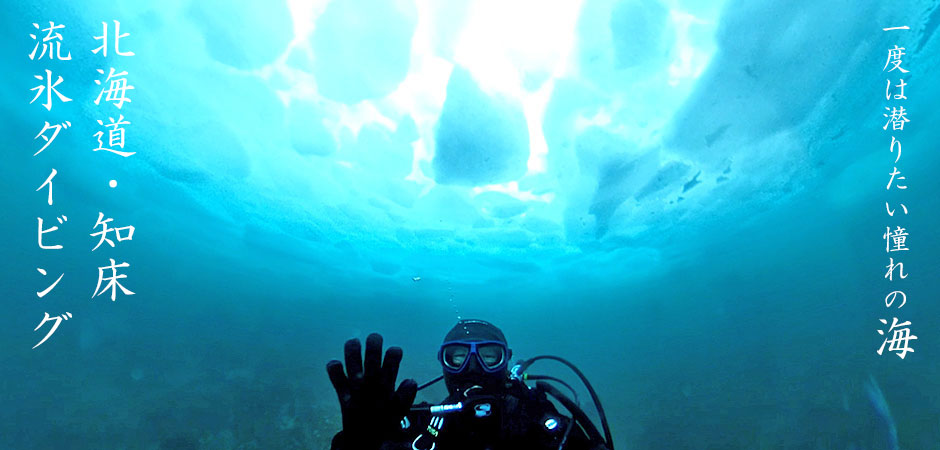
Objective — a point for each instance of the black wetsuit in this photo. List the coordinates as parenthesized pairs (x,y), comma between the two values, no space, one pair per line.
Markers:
(523,418)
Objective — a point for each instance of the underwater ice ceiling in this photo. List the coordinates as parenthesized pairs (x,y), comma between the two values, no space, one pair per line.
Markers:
(529,136)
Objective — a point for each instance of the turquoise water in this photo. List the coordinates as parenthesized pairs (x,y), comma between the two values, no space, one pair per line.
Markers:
(685,199)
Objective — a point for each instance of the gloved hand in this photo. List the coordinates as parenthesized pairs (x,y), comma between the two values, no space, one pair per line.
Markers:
(372,408)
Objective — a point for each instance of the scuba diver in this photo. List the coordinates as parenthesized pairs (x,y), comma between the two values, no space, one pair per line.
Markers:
(489,405)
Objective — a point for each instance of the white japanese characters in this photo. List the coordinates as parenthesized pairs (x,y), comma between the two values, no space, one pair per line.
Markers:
(898,336)
(111,138)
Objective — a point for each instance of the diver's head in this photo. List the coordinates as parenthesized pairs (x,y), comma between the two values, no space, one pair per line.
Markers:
(474,353)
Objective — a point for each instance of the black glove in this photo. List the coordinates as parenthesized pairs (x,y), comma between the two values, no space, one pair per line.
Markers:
(372,408)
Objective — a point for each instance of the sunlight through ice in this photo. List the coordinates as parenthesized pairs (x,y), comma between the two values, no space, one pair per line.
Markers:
(504,42)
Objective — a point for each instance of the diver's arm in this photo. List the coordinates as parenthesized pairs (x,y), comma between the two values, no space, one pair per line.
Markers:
(414,423)
(577,439)
(339,443)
